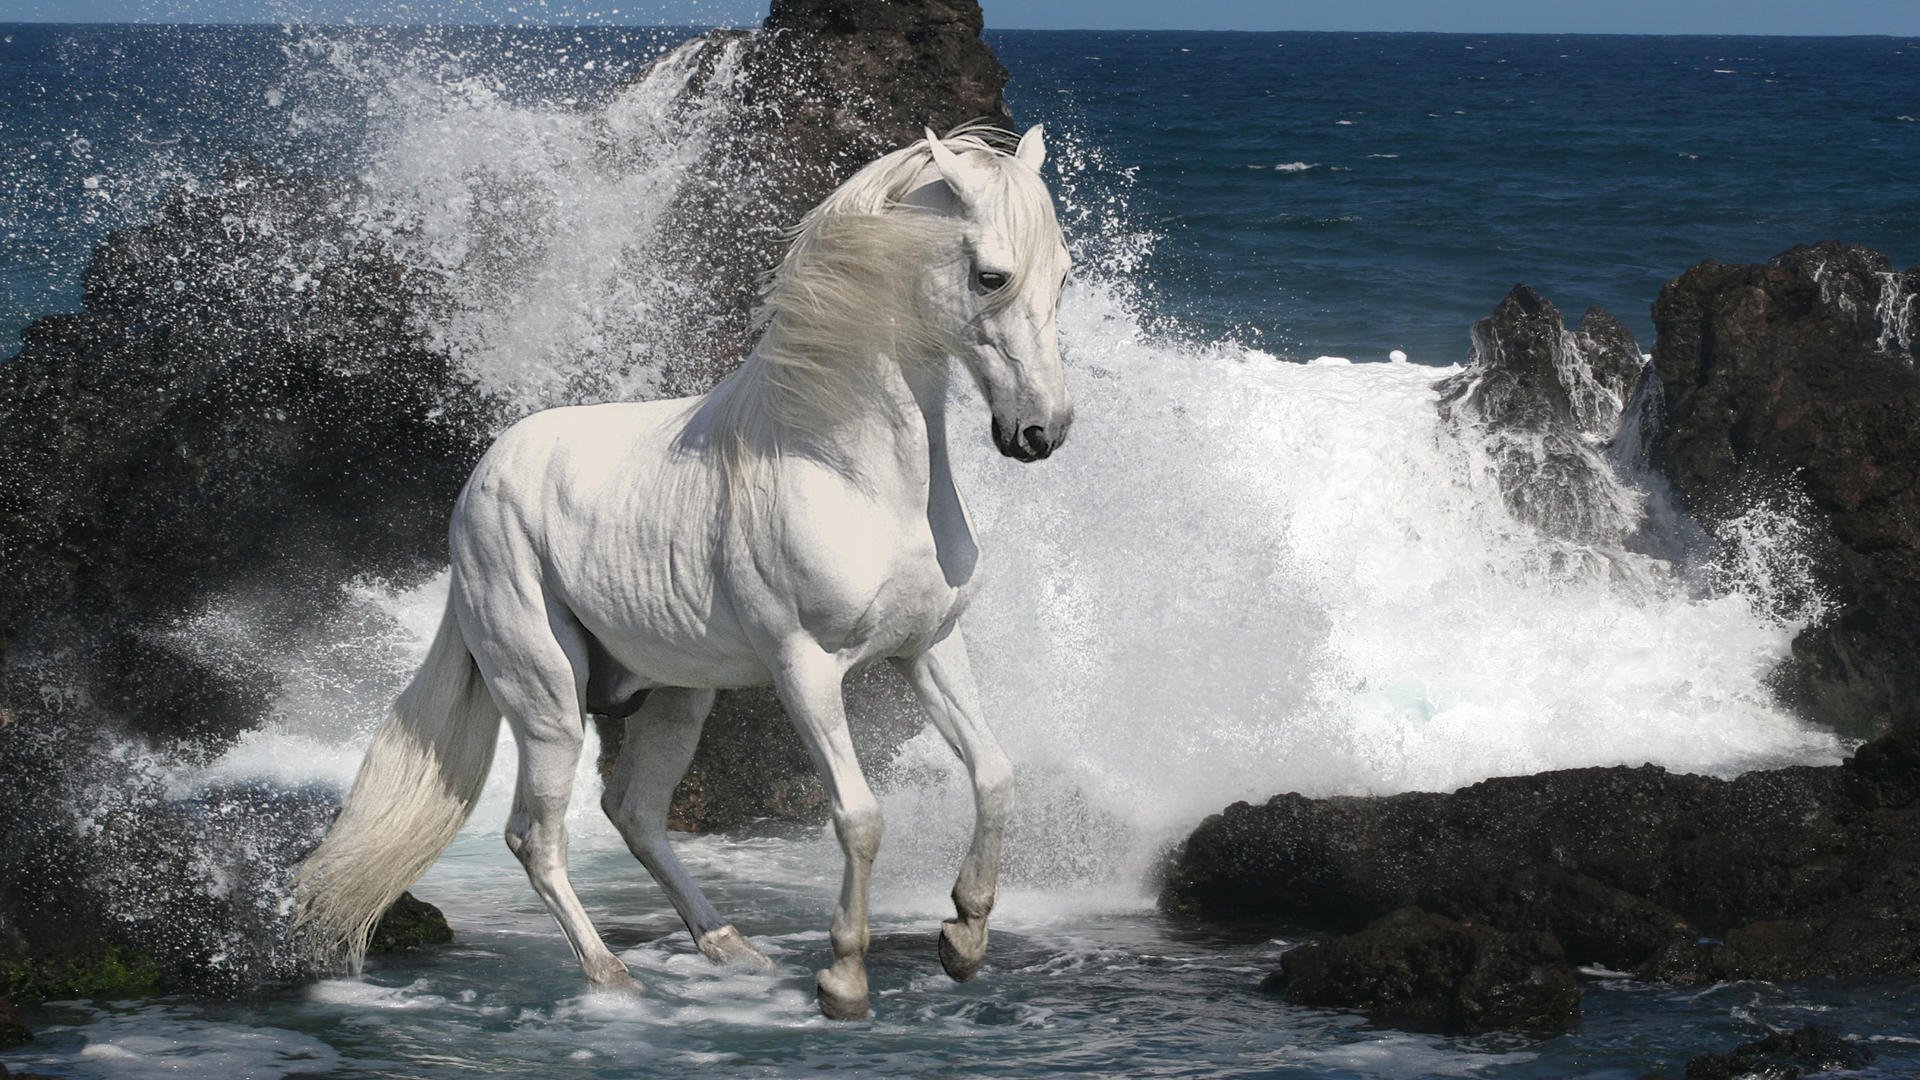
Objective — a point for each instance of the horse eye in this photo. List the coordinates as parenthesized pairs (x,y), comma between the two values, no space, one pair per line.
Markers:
(990,280)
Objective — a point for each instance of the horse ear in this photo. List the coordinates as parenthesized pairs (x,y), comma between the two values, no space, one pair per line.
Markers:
(1032,150)
(950,168)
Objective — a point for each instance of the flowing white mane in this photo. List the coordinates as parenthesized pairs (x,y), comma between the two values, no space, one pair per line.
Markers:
(852,295)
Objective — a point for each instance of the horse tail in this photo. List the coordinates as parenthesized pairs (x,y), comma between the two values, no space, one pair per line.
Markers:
(419,781)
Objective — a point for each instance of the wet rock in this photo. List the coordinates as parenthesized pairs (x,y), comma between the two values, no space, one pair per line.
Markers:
(1793,384)
(1548,403)
(1789,873)
(1423,972)
(1782,1055)
(408,925)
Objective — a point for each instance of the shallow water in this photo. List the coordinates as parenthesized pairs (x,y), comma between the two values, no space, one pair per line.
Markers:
(1075,983)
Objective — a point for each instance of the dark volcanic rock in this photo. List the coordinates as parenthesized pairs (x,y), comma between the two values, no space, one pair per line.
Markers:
(1423,972)
(244,391)
(1796,381)
(1549,402)
(1801,871)
(1782,1055)
(246,398)
(409,924)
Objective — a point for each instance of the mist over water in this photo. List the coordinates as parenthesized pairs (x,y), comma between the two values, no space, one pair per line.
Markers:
(1243,575)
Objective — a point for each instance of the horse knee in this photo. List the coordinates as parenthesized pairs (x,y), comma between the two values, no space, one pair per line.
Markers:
(860,828)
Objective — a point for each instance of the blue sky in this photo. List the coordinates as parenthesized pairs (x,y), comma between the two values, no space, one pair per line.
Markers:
(1901,17)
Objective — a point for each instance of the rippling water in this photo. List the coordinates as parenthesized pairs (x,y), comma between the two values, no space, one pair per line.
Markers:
(1245,575)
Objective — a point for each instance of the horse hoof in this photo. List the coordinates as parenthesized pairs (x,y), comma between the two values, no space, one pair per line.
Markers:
(727,946)
(840,999)
(619,982)
(962,948)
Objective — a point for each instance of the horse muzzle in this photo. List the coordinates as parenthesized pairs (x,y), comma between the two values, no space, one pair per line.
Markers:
(1031,442)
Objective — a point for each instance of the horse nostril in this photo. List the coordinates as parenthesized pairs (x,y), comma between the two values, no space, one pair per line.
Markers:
(1036,437)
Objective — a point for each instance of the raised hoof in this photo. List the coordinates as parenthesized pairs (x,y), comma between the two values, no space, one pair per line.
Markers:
(840,999)
(727,946)
(962,948)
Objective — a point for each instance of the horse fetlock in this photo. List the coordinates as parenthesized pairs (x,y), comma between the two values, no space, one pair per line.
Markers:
(728,946)
(973,901)
(963,945)
(842,990)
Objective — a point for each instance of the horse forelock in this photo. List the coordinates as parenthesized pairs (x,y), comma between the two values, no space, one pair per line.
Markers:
(849,297)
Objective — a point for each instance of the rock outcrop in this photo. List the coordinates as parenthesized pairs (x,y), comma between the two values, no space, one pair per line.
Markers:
(245,398)
(1794,384)
(1548,402)
(1786,874)
(1422,972)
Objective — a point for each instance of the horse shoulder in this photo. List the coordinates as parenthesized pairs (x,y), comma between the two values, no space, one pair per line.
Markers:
(845,566)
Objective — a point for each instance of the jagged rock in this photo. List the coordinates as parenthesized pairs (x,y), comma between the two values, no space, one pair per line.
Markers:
(1548,402)
(245,397)
(1782,1055)
(244,391)
(1794,384)
(1801,871)
(1422,972)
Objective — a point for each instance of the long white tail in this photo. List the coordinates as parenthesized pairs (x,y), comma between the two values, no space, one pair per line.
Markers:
(416,787)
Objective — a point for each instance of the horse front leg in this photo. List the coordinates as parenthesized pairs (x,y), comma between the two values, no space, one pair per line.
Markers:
(809,684)
(943,679)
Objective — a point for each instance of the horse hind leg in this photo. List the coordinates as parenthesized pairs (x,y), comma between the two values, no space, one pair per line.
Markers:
(654,754)
(537,679)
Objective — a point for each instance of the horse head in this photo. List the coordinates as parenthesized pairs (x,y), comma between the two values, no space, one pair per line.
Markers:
(1002,292)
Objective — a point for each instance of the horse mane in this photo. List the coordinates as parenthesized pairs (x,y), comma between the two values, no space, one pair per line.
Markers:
(849,298)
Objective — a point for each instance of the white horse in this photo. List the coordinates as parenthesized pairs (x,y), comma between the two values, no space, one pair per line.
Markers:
(793,525)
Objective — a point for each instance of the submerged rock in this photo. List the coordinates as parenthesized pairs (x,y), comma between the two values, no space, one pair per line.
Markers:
(1782,1055)
(1548,403)
(1793,385)
(1423,972)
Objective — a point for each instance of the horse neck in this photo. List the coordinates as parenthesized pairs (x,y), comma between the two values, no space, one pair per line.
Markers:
(899,440)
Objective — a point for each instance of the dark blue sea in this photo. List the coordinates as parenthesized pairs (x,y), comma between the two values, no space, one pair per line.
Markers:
(1258,568)
(1342,194)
